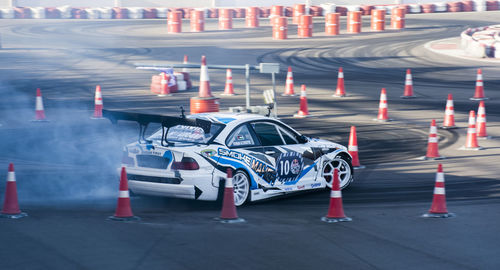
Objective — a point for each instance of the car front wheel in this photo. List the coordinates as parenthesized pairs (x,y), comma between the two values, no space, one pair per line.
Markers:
(345,171)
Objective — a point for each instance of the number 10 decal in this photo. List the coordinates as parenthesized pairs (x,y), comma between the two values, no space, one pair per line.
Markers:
(289,167)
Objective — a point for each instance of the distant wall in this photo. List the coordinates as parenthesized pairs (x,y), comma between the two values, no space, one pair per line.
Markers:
(191,3)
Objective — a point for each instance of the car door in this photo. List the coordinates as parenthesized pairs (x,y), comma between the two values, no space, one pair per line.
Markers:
(291,159)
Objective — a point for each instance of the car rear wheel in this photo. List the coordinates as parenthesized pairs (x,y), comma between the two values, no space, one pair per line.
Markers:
(345,171)
(241,186)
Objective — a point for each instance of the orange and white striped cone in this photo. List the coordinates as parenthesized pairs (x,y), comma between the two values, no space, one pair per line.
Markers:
(98,105)
(10,207)
(289,88)
(229,89)
(303,111)
(449,114)
(39,110)
(165,89)
(471,140)
(438,207)
(336,209)
(123,210)
(481,122)
(228,213)
(432,145)
(340,91)
(204,91)
(353,149)
(382,107)
(185,62)
(408,86)
(479,93)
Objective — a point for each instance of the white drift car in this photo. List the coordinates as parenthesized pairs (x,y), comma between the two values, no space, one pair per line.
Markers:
(188,157)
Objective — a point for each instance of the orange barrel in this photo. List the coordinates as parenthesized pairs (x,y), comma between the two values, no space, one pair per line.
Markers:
(252,17)
(174,22)
(280,27)
(298,10)
(305,26)
(197,21)
(277,11)
(203,105)
(378,20)
(398,18)
(225,19)
(332,24)
(354,22)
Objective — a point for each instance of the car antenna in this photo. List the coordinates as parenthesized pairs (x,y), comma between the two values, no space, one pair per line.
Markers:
(270,106)
(182,112)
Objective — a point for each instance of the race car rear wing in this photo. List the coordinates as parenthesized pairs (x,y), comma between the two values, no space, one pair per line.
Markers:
(166,121)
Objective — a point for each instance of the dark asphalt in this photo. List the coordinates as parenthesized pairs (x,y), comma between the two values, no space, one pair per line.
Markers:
(66,168)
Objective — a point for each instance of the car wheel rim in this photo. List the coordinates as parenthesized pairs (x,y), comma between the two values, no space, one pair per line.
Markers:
(343,168)
(241,188)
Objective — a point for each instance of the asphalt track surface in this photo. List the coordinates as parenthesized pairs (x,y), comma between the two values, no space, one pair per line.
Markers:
(66,168)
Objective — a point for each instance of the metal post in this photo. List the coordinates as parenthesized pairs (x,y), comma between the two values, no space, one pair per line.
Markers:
(275,110)
(247,76)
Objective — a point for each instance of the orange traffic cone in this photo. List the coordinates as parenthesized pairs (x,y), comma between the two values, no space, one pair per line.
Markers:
(303,111)
(39,110)
(438,207)
(289,88)
(382,107)
(98,105)
(479,93)
(432,145)
(471,140)
(340,91)
(11,205)
(481,121)
(229,89)
(123,210)
(204,80)
(228,213)
(165,89)
(449,114)
(204,102)
(185,62)
(408,86)
(353,149)
(336,209)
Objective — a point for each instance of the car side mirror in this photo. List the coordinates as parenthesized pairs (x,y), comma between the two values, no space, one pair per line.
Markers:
(303,139)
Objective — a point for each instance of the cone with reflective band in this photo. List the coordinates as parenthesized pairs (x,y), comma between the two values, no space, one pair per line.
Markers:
(229,89)
(471,140)
(432,145)
(336,209)
(123,209)
(98,105)
(479,93)
(204,80)
(340,91)
(481,121)
(408,85)
(382,107)
(10,207)
(303,111)
(165,89)
(438,207)
(228,213)
(185,62)
(39,110)
(449,113)
(353,149)
(289,88)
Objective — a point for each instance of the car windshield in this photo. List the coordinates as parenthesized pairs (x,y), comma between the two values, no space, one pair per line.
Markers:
(188,134)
